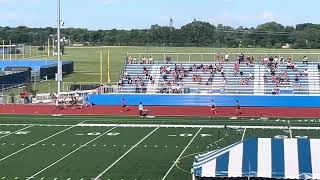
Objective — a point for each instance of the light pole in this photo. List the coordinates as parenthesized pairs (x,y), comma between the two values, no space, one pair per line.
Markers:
(51,36)
(59,74)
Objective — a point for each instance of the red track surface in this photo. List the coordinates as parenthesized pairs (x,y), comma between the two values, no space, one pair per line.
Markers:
(162,111)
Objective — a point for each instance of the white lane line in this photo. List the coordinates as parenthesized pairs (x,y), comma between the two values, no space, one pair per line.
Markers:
(176,161)
(33,176)
(31,145)
(103,172)
(243,134)
(15,131)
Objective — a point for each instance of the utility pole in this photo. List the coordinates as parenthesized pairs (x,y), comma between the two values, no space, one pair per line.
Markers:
(59,74)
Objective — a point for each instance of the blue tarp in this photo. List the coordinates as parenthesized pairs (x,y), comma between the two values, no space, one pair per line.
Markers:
(35,64)
(295,158)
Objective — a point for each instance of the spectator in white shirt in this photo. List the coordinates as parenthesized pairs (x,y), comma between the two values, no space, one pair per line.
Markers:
(305,60)
(226,57)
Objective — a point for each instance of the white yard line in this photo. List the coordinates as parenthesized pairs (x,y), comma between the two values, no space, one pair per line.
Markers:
(33,176)
(31,145)
(175,162)
(243,134)
(15,132)
(114,163)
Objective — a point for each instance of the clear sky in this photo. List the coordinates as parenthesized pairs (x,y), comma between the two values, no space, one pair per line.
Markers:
(137,14)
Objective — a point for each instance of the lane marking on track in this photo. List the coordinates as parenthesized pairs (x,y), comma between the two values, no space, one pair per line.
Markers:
(15,131)
(243,134)
(177,160)
(33,144)
(67,155)
(115,162)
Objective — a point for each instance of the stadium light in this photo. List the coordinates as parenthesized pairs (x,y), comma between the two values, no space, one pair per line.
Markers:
(59,74)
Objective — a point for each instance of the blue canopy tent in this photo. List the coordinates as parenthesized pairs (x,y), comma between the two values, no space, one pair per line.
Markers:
(263,157)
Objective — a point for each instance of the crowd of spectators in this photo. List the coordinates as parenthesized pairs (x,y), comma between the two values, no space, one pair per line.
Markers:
(171,77)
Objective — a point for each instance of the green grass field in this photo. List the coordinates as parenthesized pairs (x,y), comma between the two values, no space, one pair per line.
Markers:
(74,147)
(87,60)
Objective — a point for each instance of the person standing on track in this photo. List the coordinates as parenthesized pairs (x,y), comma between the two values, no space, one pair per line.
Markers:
(124,106)
(140,109)
(213,109)
(238,109)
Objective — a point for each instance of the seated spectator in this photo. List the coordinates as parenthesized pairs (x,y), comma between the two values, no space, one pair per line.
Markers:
(297,78)
(305,72)
(273,78)
(318,66)
(281,60)
(265,78)
(251,76)
(305,60)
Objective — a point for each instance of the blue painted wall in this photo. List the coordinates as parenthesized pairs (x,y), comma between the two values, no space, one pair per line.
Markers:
(204,100)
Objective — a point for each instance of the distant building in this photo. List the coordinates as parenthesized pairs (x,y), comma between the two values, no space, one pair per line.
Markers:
(9,49)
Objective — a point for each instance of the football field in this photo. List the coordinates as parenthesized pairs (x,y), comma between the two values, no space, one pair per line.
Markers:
(75,147)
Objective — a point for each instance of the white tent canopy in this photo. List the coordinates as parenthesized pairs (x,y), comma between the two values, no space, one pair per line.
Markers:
(263,157)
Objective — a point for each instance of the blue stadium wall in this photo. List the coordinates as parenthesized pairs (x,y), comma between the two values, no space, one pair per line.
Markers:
(204,100)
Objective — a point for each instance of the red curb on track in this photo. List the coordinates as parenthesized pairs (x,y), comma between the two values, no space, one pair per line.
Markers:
(163,111)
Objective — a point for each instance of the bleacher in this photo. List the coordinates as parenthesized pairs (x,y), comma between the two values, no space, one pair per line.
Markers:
(260,85)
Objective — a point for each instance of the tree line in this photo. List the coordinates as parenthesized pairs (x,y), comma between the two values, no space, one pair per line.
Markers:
(196,33)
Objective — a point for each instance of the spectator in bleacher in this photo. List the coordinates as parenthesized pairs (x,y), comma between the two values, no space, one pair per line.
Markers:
(318,66)
(130,60)
(297,78)
(241,58)
(150,60)
(222,72)
(251,76)
(265,60)
(305,60)
(168,60)
(281,60)
(236,69)
(226,57)
(265,78)
(135,60)
(305,72)
(276,59)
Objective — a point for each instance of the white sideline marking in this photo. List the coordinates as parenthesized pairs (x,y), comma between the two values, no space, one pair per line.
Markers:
(175,162)
(15,131)
(33,176)
(4,158)
(243,134)
(98,177)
